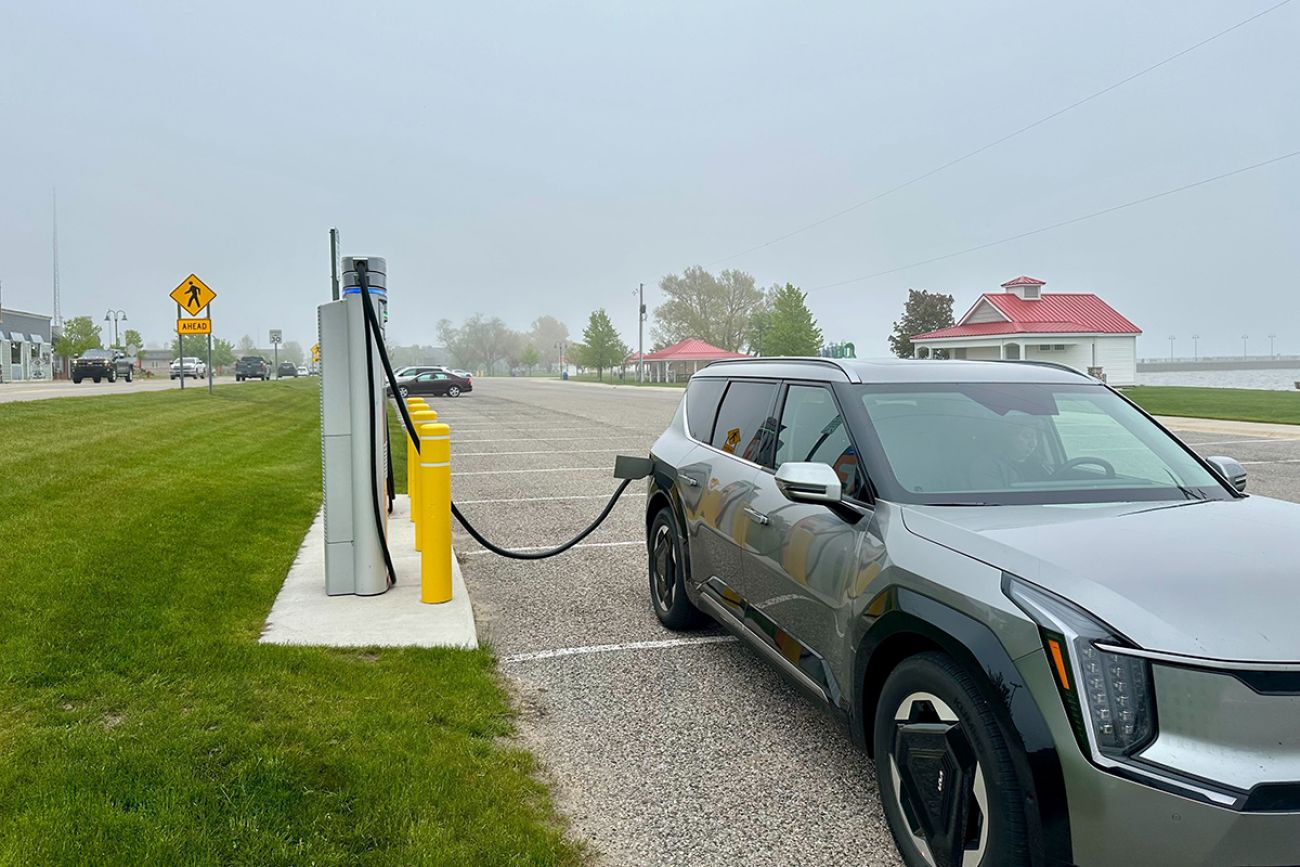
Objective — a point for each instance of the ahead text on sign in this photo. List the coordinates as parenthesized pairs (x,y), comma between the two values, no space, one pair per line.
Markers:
(193,326)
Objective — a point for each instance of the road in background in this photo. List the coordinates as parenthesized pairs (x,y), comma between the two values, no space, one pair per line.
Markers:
(664,749)
(11,392)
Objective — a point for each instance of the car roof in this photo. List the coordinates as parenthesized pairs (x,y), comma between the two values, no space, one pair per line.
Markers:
(894,370)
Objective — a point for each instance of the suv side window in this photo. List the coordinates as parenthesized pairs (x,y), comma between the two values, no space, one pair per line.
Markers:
(812,429)
(702,396)
(745,427)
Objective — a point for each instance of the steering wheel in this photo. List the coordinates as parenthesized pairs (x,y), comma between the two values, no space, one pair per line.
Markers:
(1105,465)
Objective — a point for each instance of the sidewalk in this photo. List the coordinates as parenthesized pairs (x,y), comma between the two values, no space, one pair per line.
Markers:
(1235,428)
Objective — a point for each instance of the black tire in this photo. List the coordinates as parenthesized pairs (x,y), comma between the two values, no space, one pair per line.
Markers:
(76,380)
(972,755)
(453,391)
(667,573)
(112,376)
(130,376)
(97,379)
(402,390)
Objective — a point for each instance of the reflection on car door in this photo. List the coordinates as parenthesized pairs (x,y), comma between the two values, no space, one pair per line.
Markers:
(726,472)
(803,565)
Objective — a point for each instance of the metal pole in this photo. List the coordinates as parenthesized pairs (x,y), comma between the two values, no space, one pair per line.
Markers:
(640,334)
(1196,349)
(209,349)
(334,264)
(1171,347)
(180,349)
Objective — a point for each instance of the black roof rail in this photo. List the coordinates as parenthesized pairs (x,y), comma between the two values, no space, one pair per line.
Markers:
(791,359)
(1037,363)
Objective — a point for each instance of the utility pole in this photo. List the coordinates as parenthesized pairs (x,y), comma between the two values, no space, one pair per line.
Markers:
(640,333)
(1196,354)
(1271,338)
(1171,347)
(54,204)
(1244,353)
(334,264)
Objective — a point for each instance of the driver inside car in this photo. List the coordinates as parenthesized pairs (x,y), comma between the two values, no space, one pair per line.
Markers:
(1017,457)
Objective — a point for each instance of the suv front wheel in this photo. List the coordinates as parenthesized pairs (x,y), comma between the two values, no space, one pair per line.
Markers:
(668,576)
(944,769)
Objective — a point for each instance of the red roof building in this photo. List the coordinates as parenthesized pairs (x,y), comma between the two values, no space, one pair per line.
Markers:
(683,358)
(1078,329)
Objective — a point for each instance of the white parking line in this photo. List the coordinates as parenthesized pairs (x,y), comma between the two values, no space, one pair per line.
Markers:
(541,452)
(1278,461)
(473,551)
(535,499)
(529,470)
(618,648)
(542,437)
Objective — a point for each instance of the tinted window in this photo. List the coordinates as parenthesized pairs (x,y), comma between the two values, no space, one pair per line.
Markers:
(812,429)
(744,427)
(702,396)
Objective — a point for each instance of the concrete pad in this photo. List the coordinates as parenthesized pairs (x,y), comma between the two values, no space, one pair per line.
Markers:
(304,614)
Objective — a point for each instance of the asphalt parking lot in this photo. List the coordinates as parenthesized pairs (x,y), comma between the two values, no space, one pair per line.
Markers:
(663,749)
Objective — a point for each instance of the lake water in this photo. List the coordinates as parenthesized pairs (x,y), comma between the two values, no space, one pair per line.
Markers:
(1283,379)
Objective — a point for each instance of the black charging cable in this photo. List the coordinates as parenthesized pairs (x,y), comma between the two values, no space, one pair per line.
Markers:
(629,469)
(373,332)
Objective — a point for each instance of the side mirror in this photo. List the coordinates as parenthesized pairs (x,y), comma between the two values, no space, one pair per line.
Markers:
(808,482)
(1230,469)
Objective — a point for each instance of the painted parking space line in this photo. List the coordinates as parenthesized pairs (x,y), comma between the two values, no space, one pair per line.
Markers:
(530,470)
(475,551)
(1278,461)
(556,499)
(619,648)
(540,452)
(542,438)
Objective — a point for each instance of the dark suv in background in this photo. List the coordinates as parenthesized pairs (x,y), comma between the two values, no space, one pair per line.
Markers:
(1064,636)
(99,364)
(252,367)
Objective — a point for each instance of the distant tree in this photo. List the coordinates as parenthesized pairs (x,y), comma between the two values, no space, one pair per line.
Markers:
(223,353)
(924,311)
(788,327)
(247,346)
(79,334)
(293,351)
(529,358)
(717,310)
(602,347)
(132,341)
(547,333)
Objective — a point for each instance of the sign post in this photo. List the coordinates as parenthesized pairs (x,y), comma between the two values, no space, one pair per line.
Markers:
(192,296)
(276,335)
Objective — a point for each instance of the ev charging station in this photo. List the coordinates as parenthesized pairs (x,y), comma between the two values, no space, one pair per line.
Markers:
(354,434)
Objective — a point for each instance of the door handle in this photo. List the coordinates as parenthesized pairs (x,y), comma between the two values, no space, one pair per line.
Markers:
(758,516)
(694,483)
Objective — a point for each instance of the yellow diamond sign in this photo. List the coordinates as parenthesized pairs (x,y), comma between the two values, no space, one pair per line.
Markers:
(193,294)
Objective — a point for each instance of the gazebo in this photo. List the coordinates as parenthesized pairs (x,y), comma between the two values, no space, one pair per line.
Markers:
(684,357)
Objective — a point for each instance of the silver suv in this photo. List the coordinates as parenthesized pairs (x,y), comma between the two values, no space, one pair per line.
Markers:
(1064,637)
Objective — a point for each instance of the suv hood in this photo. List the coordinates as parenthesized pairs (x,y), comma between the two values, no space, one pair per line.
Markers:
(1214,579)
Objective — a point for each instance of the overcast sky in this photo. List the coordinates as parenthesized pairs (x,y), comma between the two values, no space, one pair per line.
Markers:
(543,158)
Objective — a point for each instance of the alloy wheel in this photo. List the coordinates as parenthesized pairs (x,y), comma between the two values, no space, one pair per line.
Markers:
(665,566)
(938,783)
(454,391)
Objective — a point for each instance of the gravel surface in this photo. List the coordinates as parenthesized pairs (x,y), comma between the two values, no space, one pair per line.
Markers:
(667,754)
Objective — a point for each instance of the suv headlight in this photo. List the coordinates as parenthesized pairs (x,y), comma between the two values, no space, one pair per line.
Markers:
(1108,696)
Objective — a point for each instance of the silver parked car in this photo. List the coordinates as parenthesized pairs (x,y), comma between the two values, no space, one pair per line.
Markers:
(1064,637)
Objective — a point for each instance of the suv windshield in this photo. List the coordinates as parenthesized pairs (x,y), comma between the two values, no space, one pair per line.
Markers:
(1007,443)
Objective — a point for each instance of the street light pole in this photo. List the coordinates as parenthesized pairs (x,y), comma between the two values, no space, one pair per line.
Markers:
(1171,347)
(1244,352)
(640,333)
(1195,348)
(1271,338)
(115,316)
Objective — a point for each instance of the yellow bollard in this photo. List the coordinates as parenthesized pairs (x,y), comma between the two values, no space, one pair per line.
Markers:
(418,417)
(435,513)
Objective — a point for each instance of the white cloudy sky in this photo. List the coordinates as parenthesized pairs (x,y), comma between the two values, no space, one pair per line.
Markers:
(526,158)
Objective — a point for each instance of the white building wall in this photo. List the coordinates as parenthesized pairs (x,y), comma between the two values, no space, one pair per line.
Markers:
(1076,355)
(984,312)
(1117,357)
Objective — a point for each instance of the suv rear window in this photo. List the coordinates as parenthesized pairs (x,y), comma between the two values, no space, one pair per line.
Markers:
(702,396)
(745,427)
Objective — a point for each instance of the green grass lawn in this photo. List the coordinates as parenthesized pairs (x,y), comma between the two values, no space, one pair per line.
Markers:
(1235,404)
(143,539)
(630,379)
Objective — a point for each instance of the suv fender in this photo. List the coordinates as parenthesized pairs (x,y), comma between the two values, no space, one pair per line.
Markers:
(661,492)
(905,622)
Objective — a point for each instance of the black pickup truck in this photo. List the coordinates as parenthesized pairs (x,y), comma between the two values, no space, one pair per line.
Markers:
(252,367)
(99,364)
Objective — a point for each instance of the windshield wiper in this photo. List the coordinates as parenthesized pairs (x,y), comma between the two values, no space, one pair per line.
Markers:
(964,503)
(1187,492)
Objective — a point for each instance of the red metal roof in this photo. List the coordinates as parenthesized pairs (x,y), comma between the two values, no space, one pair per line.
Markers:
(691,349)
(1053,313)
(1022,280)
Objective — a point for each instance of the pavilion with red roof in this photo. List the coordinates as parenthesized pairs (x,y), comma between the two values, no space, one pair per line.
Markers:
(682,359)
(1024,322)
